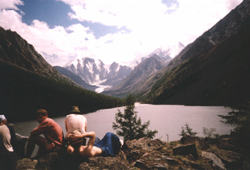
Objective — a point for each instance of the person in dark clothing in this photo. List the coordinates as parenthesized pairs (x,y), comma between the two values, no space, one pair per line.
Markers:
(109,145)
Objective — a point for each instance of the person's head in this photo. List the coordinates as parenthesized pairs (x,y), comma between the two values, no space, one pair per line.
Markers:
(41,114)
(75,109)
(3,119)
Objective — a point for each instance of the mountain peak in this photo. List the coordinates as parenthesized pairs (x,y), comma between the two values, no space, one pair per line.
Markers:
(160,52)
(95,72)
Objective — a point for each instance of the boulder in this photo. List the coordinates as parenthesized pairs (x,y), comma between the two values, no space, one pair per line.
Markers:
(186,150)
(134,149)
(230,158)
(216,161)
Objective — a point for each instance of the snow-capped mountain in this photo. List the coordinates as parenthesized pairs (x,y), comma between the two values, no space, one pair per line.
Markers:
(95,72)
(141,78)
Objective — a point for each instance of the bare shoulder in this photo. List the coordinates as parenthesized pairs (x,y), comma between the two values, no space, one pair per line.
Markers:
(90,151)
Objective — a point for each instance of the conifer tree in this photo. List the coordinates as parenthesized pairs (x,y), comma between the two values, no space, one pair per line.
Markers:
(130,126)
(239,117)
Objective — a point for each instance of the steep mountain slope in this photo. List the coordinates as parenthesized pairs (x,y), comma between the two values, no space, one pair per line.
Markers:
(75,78)
(117,73)
(95,72)
(29,82)
(214,69)
(16,51)
(142,77)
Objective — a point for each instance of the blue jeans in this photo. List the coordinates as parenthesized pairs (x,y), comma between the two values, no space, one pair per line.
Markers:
(110,144)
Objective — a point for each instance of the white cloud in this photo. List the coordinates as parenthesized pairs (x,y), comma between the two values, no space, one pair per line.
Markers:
(233,3)
(10,4)
(57,41)
(149,22)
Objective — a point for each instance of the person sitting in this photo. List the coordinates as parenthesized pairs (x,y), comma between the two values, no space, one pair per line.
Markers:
(52,132)
(75,124)
(10,126)
(109,145)
(8,157)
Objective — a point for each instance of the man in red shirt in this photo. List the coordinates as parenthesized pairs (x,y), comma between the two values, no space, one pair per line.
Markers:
(52,132)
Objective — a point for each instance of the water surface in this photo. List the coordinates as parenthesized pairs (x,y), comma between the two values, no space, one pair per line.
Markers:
(167,119)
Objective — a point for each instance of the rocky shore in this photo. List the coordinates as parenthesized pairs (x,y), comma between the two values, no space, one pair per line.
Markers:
(187,154)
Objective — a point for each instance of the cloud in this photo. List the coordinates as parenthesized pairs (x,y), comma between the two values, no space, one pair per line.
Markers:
(233,3)
(151,24)
(10,4)
(149,21)
(58,42)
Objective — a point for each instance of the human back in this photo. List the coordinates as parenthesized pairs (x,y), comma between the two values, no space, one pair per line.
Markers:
(75,125)
(8,155)
(5,138)
(51,130)
(48,135)
(75,122)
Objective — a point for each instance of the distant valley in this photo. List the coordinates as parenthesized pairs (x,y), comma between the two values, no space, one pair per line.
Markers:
(114,79)
(96,74)
(212,70)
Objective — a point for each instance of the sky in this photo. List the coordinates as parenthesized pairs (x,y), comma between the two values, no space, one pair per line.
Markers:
(111,30)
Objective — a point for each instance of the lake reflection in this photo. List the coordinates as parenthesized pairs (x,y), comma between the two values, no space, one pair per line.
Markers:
(167,119)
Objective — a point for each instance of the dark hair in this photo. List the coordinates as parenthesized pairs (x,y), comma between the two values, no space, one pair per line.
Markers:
(42,112)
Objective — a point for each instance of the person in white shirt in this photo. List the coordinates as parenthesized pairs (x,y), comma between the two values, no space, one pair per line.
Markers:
(5,135)
(7,155)
(75,124)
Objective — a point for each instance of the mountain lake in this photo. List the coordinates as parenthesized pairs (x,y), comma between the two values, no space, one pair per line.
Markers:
(168,120)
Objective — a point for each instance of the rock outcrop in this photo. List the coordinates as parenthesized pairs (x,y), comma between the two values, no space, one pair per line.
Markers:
(150,154)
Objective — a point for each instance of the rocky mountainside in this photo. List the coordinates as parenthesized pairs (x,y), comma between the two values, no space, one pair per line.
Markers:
(29,82)
(75,78)
(214,69)
(17,52)
(143,76)
(144,153)
(95,72)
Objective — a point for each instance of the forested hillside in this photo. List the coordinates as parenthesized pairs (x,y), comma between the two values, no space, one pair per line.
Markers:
(29,82)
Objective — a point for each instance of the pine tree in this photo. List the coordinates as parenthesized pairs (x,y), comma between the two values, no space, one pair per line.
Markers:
(187,131)
(239,117)
(130,126)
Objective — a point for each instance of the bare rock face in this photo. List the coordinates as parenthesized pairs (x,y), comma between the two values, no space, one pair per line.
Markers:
(118,162)
(25,164)
(185,150)
(216,161)
(146,153)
